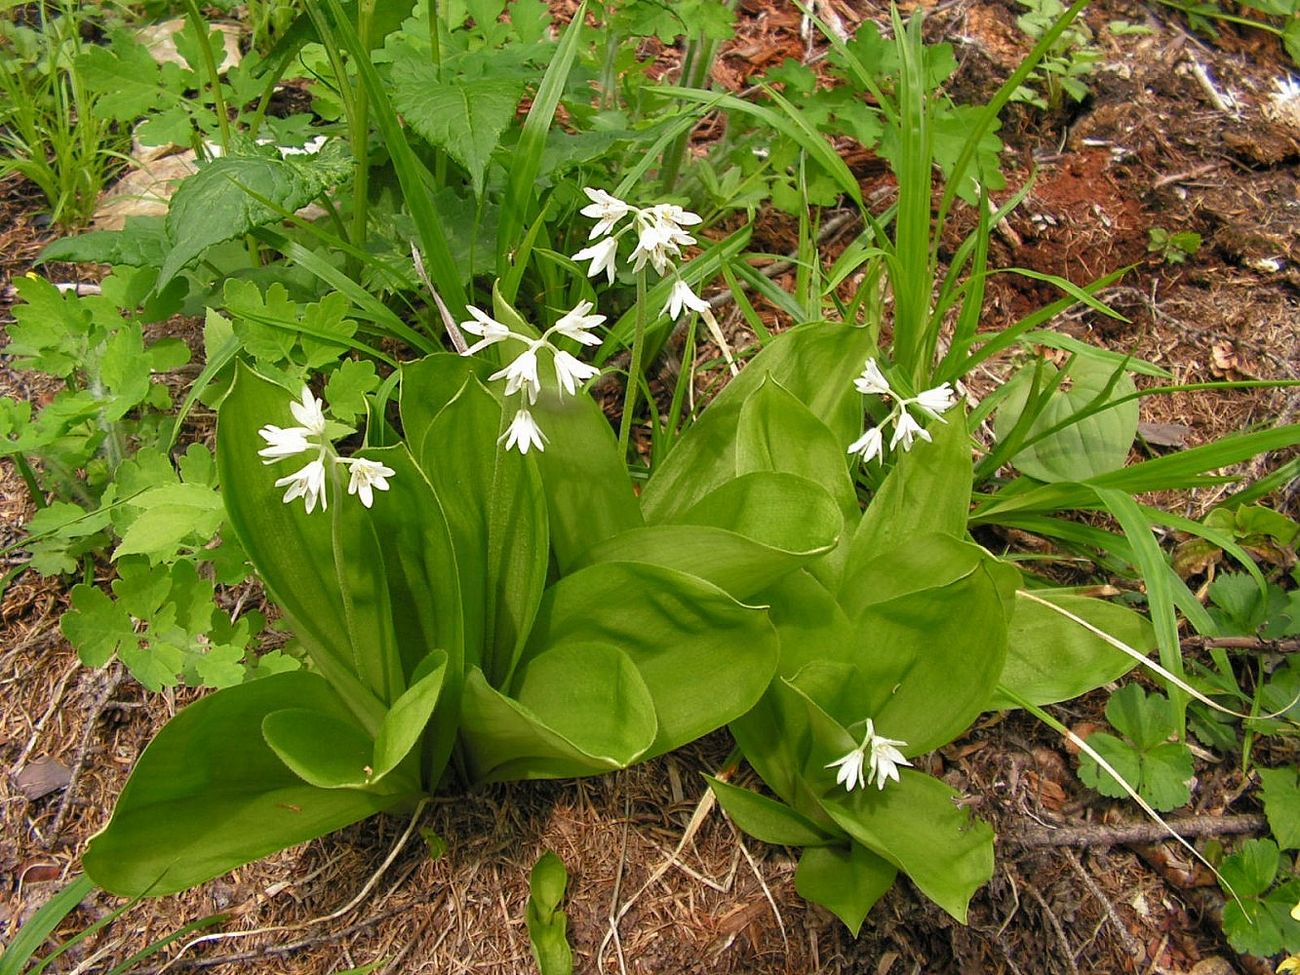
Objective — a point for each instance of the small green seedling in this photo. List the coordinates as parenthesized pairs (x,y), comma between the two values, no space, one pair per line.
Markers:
(1173,248)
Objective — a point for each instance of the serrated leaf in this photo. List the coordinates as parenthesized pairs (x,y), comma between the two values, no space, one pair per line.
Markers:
(347,388)
(1146,721)
(465,117)
(1250,871)
(126,78)
(223,199)
(1282,805)
(96,626)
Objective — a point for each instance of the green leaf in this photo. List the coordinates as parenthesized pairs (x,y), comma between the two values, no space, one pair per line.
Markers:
(546,922)
(142,242)
(704,657)
(847,881)
(589,496)
(1282,804)
(1159,775)
(327,750)
(225,198)
(1051,658)
(208,794)
(97,626)
(815,363)
(767,819)
(496,510)
(126,77)
(1087,448)
(928,490)
(1250,871)
(408,718)
(292,550)
(347,388)
(580,709)
(464,116)
(1146,721)
(930,619)
(917,826)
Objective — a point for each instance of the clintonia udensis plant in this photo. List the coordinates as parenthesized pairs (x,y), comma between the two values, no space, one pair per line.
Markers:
(481,596)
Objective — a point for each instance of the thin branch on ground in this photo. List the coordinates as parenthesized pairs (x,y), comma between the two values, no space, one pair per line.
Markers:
(1135,834)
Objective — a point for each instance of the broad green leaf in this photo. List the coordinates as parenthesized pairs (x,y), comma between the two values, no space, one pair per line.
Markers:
(464,116)
(928,490)
(847,881)
(225,198)
(589,496)
(767,819)
(160,529)
(581,709)
(428,385)
(1090,447)
(917,826)
(496,510)
(125,77)
(1051,658)
(705,658)
(1159,775)
(293,551)
(931,639)
(1282,804)
(208,794)
(815,363)
(408,719)
(327,750)
(742,537)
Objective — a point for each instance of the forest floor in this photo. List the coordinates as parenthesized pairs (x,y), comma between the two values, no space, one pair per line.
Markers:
(1180,133)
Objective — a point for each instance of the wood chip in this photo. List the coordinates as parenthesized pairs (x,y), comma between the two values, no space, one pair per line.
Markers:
(39,778)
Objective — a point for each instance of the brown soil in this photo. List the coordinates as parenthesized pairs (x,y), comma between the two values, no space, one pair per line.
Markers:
(1148,148)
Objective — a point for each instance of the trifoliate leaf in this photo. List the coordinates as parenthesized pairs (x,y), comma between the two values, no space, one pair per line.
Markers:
(326,317)
(124,370)
(1282,805)
(1145,721)
(97,626)
(224,199)
(465,117)
(141,588)
(347,388)
(265,324)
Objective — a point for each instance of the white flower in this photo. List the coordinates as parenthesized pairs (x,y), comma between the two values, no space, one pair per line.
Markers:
(883,756)
(602,255)
(524,433)
(879,755)
(609,209)
(367,477)
(521,373)
(672,216)
(872,382)
(869,446)
(905,430)
(490,330)
(283,442)
(935,401)
(310,413)
(307,483)
(850,770)
(655,243)
(682,297)
(576,324)
(570,371)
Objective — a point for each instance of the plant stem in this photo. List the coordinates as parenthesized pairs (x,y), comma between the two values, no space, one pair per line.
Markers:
(361,136)
(29,479)
(210,66)
(634,370)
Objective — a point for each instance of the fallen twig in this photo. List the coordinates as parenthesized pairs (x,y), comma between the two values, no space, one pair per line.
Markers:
(1135,834)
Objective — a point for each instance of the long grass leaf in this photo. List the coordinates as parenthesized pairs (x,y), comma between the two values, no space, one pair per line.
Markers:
(526,160)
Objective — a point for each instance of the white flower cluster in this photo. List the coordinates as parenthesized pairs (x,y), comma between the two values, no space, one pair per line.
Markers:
(931,402)
(310,435)
(521,373)
(877,754)
(659,239)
